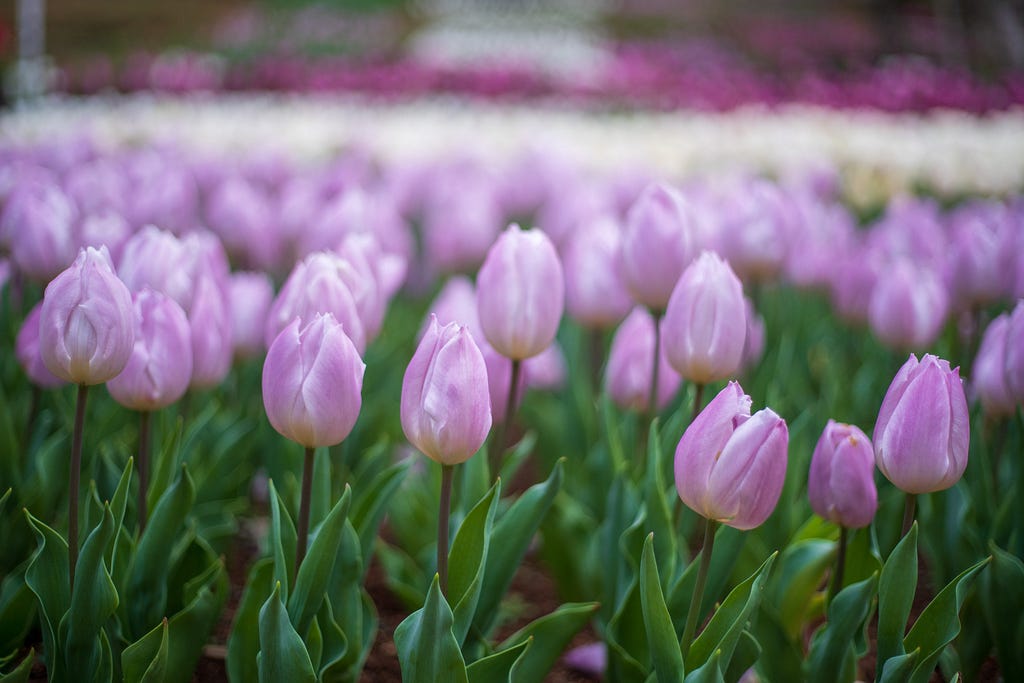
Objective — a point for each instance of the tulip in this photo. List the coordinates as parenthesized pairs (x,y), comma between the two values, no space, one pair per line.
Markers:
(1015,353)
(754,238)
(38,221)
(628,373)
(991,382)
(546,371)
(657,245)
(445,409)
(364,281)
(105,228)
(460,225)
(26,349)
(841,484)
(753,345)
(250,295)
(908,306)
(456,302)
(595,292)
(706,321)
(242,216)
(210,322)
(499,384)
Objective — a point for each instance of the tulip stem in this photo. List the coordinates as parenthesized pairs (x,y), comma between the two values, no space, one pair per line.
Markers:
(837,576)
(698,588)
(75,478)
(908,513)
(652,391)
(497,453)
(307,493)
(143,508)
(442,526)
(698,400)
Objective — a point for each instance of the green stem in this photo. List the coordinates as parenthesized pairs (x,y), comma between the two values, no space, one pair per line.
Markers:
(497,453)
(75,478)
(908,513)
(698,401)
(837,576)
(307,493)
(442,525)
(143,508)
(698,588)
(652,391)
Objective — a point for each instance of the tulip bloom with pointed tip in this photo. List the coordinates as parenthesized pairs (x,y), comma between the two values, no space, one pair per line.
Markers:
(841,483)
(313,382)
(923,433)
(595,293)
(86,324)
(730,465)
(627,376)
(705,324)
(990,382)
(520,293)
(908,306)
(26,349)
(160,367)
(250,295)
(445,409)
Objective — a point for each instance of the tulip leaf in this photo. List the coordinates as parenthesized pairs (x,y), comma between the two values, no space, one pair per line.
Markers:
(47,577)
(551,634)
(709,672)
(244,639)
(628,647)
(467,560)
(659,514)
(498,667)
(509,541)
(190,628)
(20,673)
(896,587)
(283,541)
(282,655)
(312,580)
(899,668)
(1002,597)
(832,656)
(427,648)
(345,595)
(665,651)
(746,654)
(728,544)
(723,631)
(802,566)
(939,623)
(145,660)
(17,610)
(369,506)
(333,648)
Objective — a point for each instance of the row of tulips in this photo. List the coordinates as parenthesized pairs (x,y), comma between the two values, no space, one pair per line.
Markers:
(304,609)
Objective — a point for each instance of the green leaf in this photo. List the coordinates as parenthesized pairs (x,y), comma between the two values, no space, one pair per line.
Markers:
(896,588)
(723,632)
(802,566)
(190,628)
(1002,597)
(282,655)
(21,672)
(709,672)
(628,647)
(509,541)
(311,582)
(551,634)
(369,507)
(47,577)
(345,596)
(283,541)
(659,511)
(320,498)
(728,544)
(833,648)
(427,648)
(898,669)
(746,654)
(498,667)
(17,610)
(939,623)
(467,560)
(244,639)
(145,660)
(665,651)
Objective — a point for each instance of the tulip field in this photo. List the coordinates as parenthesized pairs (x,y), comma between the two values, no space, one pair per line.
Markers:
(322,387)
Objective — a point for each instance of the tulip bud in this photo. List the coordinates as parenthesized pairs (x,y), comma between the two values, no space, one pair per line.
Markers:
(990,381)
(595,293)
(841,484)
(627,376)
(922,433)
(210,322)
(249,295)
(520,291)
(730,465)
(1015,353)
(546,371)
(312,382)
(160,366)
(242,216)
(86,327)
(456,303)
(705,324)
(26,348)
(39,222)
(908,306)
(656,245)
(445,407)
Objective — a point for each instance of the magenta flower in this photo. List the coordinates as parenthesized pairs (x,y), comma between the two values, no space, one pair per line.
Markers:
(841,483)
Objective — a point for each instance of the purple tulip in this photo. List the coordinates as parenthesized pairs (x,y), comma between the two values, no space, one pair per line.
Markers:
(753,223)
(595,292)
(250,295)
(990,382)
(242,216)
(657,245)
(445,406)
(210,322)
(923,432)
(730,465)
(456,303)
(460,225)
(312,382)
(981,254)
(38,221)
(86,325)
(1015,352)
(627,376)
(753,345)
(26,348)
(547,370)
(160,366)
(908,306)
(99,186)
(520,293)
(367,280)
(841,483)
(705,325)
(105,228)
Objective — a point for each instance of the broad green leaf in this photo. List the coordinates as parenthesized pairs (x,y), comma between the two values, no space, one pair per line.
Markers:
(311,582)
(145,660)
(709,672)
(665,651)
(47,577)
(728,544)
(244,639)
(832,651)
(746,654)
(939,623)
(498,667)
(334,647)
(802,566)
(17,609)
(118,505)
(723,632)
(347,611)
(862,558)
(628,647)
(467,561)
(896,588)
(551,634)
(190,628)
(283,541)
(21,672)
(898,669)
(659,510)
(427,648)
(282,655)
(1002,597)
(369,506)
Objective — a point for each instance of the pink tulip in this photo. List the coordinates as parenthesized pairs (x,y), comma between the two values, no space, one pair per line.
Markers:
(26,349)
(628,373)
(841,484)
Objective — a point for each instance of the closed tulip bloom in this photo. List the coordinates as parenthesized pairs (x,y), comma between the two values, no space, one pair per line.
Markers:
(210,322)
(922,433)
(595,292)
(990,381)
(26,349)
(1015,353)
(547,370)
(705,324)
(242,216)
(730,465)
(38,221)
(627,376)
(313,382)
(250,295)
(908,306)
(656,245)
(160,367)
(86,325)
(841,483)
(456,303)
(445,405)
(520,293)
